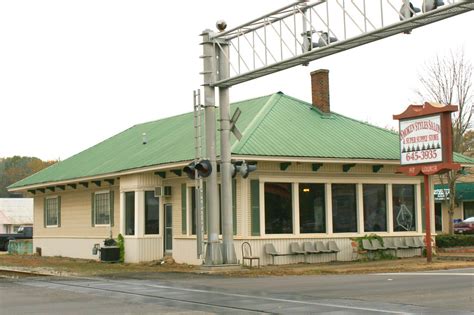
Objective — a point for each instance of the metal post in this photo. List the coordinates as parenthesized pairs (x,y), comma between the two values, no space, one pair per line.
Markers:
(228,252)
(427,218)
(213,249)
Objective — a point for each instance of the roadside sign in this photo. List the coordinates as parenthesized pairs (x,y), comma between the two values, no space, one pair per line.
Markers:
(421,140)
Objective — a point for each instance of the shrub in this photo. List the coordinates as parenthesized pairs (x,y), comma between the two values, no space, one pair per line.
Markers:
(447,240)
(378,255)
(121,245)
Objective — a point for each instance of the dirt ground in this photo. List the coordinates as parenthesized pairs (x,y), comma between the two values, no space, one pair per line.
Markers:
(83,267)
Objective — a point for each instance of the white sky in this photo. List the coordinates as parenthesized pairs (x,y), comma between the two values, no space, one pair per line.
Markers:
(73,73)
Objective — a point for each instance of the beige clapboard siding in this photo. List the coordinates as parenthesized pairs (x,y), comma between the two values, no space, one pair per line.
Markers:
(67,247)
(143,249)
(75,215)
(143,181)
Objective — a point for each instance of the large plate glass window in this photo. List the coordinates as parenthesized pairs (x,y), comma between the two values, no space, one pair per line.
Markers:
(152,213)
(468,209)
(312,208)
(278,208)
(130,213)
(404,213)
(344,208)
(438,217)
(375,209)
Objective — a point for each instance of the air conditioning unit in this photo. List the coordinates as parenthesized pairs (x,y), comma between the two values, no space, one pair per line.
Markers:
(163,191)
(158,191)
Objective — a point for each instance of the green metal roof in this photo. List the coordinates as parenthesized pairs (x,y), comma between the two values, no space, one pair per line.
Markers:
(274,125)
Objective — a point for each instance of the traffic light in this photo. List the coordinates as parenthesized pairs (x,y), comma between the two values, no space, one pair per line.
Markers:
(203,167)
(408,11)
(190,170)
(243,168)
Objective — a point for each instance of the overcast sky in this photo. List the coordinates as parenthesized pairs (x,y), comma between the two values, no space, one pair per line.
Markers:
(73,73)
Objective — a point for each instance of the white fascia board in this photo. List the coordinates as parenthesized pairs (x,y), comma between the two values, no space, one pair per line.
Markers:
(102,176)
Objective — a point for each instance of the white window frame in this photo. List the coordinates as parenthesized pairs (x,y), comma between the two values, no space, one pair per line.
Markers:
(294,204)
(102,192)
(358,181)
(47,212)
(160,217)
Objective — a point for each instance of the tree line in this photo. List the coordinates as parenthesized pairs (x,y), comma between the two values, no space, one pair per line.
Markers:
(13,169)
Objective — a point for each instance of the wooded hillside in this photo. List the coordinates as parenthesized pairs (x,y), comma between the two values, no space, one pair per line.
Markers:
(12,169)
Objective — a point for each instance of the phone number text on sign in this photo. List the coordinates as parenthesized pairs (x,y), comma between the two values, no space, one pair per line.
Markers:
(420,156)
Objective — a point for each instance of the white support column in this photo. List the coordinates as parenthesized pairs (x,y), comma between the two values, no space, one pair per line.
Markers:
(328,190)
(296,211)
(122,213)
(360,207)
(139,213)
(389,208)
(418,198)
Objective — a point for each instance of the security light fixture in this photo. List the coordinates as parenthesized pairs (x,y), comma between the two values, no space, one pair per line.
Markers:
(221,25)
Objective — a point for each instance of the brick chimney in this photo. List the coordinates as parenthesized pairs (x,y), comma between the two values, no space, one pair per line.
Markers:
(320,90)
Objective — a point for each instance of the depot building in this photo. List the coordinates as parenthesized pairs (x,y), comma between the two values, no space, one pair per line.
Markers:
(320,176)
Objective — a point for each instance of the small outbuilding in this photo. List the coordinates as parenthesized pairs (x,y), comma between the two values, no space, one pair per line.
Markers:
(15,212)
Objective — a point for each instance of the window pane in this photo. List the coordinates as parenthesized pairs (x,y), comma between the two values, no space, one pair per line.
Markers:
(152,213)
(344,208)
(51,211)
(102,208)
(312,208)
(403,207)
(278,208)
(375,210)
(468,209)
(130,213)
(438,217)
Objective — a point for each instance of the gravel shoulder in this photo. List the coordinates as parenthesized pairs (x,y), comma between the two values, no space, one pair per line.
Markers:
(60,266)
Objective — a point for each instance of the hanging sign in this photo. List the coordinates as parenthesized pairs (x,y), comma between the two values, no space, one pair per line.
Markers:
(426,139)
(421,140)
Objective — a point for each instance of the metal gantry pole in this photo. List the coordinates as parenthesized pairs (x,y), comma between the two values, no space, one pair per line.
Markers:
(213,249)
(228,251)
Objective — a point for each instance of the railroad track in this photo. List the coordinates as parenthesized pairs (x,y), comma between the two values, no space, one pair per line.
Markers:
(93,286)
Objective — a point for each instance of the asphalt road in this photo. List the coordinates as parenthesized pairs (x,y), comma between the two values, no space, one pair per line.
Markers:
(438,292)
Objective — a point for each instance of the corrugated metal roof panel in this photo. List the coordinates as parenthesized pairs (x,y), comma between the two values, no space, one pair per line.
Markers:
(294,128)
(275,125)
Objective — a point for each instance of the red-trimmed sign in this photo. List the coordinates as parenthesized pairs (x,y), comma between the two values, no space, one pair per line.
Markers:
(426,148)
(426,139)
(421,140)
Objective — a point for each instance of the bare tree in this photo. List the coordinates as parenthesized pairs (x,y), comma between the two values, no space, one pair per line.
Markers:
(448,80)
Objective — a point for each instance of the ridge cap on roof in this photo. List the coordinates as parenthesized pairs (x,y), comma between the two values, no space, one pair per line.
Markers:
(253,125)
